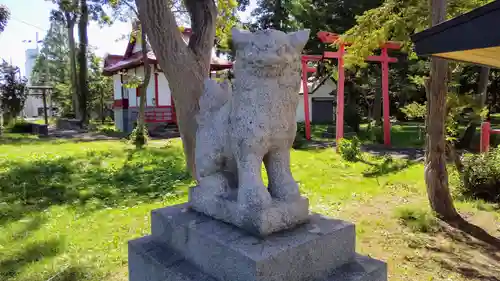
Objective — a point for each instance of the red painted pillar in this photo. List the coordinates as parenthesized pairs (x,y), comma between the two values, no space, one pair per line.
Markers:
(385,97)
(485,137)
(306,99)
(339,134)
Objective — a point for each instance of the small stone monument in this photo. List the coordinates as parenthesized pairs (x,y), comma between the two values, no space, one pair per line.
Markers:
(234,228)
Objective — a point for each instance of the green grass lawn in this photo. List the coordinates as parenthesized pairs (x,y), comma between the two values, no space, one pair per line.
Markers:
(67,209)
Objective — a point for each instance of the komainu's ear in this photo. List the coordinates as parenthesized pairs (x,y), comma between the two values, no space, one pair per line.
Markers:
(240,37)
(299,39)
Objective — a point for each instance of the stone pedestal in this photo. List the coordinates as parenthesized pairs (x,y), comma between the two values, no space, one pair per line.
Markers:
(189,246)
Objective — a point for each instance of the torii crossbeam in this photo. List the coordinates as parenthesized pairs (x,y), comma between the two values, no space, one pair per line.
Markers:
(384,59)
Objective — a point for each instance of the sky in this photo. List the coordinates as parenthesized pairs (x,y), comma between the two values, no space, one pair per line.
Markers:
(29,17)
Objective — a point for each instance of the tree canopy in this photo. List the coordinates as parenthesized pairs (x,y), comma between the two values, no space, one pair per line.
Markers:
(396,20)
(4,17)
(12,91)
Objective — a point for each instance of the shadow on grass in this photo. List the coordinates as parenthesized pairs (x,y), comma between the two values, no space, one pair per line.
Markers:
(388,166)
(90,182)
(456,247)
(32,253)
(29,227)
(71,273)
(34,140)
(313,145)
(474,258)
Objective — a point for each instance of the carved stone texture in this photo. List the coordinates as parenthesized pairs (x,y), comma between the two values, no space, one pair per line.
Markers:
(254,122)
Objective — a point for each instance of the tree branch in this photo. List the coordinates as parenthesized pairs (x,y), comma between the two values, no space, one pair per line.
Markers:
(159,22)
(203,16)
(131,8)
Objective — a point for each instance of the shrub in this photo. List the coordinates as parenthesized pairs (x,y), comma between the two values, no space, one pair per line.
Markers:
(481,176)
(138,138)
(350,150)
(414,111)
(417,219)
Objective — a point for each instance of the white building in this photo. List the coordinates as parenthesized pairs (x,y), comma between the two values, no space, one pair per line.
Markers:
(160,108)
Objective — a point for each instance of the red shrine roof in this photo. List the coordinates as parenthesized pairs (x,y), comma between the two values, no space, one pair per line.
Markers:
(116,63)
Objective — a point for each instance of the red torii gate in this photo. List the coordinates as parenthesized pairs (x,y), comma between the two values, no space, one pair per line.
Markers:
(384,59)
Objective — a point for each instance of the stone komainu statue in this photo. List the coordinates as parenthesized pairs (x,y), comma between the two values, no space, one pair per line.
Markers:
(253,121)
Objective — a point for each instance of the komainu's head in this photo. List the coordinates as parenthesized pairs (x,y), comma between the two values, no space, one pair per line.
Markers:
(268,51)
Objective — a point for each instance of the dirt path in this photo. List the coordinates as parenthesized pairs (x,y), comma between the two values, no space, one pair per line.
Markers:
(409,153)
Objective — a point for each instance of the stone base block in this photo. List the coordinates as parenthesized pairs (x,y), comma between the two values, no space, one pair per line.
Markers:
(281,215)
(149,260)
(309,252)
(187,245)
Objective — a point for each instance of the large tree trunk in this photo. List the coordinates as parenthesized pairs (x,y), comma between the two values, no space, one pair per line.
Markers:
(185,67)
(82,61)
(436,175)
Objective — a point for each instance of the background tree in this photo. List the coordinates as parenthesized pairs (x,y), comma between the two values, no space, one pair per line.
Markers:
(53,66)
(83,23)
(67,14)
(12,91)
(73,12)
(333,16)
(141,134)
(100,87)
(4,17)
(274,14)
(480,100)
(186,67)
(123,8)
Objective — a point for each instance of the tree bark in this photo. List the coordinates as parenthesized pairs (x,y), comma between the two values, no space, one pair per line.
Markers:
(185,67)
(71,21)
(70,17)
(141,124)
(482,87)
(436,175)
(82,62)
(72,60)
